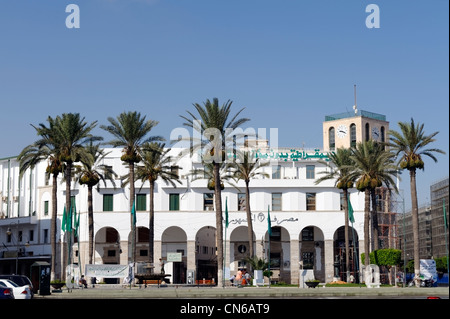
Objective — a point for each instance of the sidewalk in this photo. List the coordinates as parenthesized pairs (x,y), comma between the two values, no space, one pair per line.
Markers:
(184,292)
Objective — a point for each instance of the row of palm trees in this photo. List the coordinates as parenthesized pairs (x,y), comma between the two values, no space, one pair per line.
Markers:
(67,140)
(370,165)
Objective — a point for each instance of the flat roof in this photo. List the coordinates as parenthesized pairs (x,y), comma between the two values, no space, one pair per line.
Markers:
(362,113)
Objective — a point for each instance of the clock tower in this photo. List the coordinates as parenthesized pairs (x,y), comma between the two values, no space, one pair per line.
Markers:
(347,129)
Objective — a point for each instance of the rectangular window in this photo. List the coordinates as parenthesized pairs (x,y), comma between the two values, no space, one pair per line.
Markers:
(175,170)
(310,201)
(174,201)
(308,234)
(31,235)
(342,199)
(208,201)
(308,260)
(143,252)
(143,235)
(45,236)
(310,171)
(107,202)
(275,260)
(241,201)
(111,253)
(46,208)
(276,172)
(141,202)
(276,201)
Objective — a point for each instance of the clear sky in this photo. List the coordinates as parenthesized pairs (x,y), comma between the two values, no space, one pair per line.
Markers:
(288,62)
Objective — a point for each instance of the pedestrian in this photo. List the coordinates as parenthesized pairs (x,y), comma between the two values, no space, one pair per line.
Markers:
(247,277)
(83,282)
(238,278)
(93,281)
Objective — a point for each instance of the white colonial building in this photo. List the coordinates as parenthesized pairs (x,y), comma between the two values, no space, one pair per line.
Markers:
(307,219)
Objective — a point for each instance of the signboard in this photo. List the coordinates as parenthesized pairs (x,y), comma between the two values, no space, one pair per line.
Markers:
(428,268)
(174,257)
(107,271)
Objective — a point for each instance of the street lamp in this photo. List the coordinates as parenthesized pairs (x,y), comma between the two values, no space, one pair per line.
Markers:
(9,233)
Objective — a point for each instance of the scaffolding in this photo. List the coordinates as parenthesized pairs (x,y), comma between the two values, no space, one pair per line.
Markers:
(387,213)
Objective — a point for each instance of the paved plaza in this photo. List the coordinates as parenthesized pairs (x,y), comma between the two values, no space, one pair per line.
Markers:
(190,292)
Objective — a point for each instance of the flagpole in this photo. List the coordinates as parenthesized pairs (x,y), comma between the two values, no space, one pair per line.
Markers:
(351,217)
(445,231)
(225,241)
(269,224)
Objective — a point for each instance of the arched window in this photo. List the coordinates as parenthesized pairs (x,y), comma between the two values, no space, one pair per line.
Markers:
(352,135)
(331,139)
(367,132)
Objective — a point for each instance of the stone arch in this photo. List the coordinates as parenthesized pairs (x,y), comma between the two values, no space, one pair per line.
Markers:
(280,253)
(107,246)
(339,253)
(238,248)
(205,253)
(312,253)
(174,240)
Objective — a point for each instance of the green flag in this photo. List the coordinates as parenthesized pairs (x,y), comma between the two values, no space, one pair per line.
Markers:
(69,219)
(133,213)
(269,223)
(226,212)
(64,220)
(350,212)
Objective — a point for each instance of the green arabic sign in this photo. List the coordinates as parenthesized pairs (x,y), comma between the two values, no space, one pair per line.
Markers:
(294,155)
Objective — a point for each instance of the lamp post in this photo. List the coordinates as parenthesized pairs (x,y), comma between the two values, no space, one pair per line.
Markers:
(9,233)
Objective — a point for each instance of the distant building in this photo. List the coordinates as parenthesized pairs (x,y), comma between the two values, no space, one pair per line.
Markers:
(431,225)
(439,197)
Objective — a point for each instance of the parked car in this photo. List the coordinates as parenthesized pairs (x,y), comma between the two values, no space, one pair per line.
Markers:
(5,292)
(20,292)
(20,280)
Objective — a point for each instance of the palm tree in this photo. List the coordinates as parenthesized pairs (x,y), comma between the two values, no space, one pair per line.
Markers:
(156,164)
(215,119)
(46,148)
(341,173)
(90,173)
(245,168)
(207,172)
(130,130)
(73,132)
(373,166)
(411,143)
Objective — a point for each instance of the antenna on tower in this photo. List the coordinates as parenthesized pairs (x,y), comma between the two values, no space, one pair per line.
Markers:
(355,106)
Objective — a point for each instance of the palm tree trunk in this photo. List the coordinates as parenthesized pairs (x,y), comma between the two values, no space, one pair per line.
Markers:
(151,225)
(347,246)
(219,226)
(366,227)
(133,226)
(90,224)
(375,230)
(249,219)
(415,225)
(53,229)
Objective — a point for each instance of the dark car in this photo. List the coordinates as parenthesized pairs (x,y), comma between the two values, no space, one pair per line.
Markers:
(20,280)
(6,293)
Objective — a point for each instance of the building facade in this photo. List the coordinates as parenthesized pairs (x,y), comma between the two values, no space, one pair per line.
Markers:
(433,233)
(307,219)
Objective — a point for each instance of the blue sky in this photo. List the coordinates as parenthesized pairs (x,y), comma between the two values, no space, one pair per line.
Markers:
(289,63)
